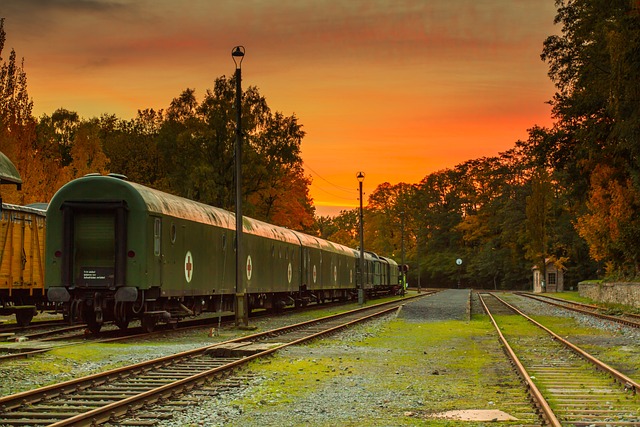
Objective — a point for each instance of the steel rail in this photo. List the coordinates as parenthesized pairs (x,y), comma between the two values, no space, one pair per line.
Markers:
(132,334)
(535,393)
(12,327)
(579,304)
(106,413)
(627,382)
(98,415)
(582,311)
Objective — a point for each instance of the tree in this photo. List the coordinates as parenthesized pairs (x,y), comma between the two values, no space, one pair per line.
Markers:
(86,152)
(437,211)
(611,225)
(539,215)
(131,146)
(17,125)
(595,68)
(348,226)
(326,227)
(388,208)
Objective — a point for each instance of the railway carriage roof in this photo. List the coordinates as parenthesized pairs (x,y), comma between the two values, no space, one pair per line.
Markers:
(25,209)
(8,172)
(318,243)
(101,188)
(388,260)
(98,188)
(199,212)
(167,204)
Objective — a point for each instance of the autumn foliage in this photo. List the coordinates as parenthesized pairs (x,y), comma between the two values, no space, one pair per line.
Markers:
(569,193)
(186,149)
(612,218)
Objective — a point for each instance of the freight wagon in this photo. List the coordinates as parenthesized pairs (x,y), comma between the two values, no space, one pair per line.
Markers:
(21,252)
(22,243)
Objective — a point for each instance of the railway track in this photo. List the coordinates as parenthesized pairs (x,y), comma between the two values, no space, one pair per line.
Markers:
(9,328)
(46,337)
(628,319)
(112,395)
(569,386)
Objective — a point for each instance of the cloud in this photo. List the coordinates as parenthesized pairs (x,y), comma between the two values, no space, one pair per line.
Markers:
(33,17)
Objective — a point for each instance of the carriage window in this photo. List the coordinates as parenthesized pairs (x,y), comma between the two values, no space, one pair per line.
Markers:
(224,242)
(157,228)
(174,233)
(273,251)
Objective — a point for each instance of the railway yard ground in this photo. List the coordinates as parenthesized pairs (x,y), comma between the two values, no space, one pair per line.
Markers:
(437,361)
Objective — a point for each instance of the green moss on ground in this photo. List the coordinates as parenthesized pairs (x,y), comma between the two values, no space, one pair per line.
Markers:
(401,372)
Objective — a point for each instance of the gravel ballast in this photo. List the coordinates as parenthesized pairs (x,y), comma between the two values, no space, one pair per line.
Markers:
(397,371)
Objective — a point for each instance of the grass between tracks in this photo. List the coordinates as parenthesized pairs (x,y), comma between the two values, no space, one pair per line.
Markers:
(395,373)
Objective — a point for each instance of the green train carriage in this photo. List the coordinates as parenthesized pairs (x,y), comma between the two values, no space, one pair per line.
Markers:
(390,273)
(117,250)
(328,270)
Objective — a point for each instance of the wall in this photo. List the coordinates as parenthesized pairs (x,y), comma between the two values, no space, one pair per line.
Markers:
(616,293)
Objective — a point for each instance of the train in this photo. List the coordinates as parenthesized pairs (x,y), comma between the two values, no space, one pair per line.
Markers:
(120,251)
(22,243)
(22,234)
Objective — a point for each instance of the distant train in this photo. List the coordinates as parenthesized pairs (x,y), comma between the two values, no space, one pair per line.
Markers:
(119,251)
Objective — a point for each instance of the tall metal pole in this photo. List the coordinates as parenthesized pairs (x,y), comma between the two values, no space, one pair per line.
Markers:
(404,273)
(361,291)
(418,259)
(241,309)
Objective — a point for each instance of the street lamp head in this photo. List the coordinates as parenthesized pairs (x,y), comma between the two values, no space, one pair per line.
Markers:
(360,176)
(238,55)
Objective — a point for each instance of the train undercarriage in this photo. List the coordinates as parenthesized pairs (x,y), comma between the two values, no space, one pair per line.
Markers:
(97,307)
(25,304)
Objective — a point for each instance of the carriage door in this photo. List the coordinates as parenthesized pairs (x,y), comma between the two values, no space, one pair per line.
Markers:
(305,267)
(158,257)
(94,242)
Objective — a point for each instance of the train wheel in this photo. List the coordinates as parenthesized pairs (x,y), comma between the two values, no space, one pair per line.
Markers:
(89,317)
(148,323)
(122,323)
(93,326)
(120,315)
(24,317)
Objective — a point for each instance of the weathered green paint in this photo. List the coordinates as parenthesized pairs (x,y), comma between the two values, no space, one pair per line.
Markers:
(8,172)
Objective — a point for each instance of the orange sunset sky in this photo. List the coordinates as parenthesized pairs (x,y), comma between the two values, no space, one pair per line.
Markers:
(397,89)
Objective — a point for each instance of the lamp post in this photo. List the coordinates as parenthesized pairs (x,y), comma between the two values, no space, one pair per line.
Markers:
(241,309)
(418,258)
(459,264)
(361,296)
(404,271)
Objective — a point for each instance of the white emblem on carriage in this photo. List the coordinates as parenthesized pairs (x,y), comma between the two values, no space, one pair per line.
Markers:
(314,274)
(289,273)
(188,267)
(335,274)
(249,267)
